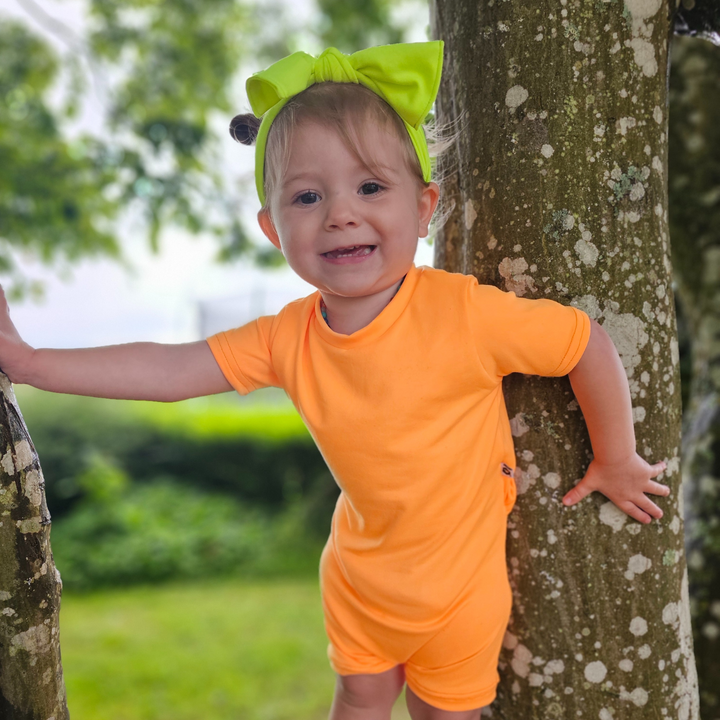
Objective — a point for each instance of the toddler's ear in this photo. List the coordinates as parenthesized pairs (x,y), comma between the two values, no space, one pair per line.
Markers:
(267,226)
(426,207)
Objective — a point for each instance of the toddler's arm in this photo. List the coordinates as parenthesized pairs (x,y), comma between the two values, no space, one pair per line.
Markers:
(617,471)
(133,371)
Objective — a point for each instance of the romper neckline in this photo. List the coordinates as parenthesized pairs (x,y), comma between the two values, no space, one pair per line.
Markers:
(387,317)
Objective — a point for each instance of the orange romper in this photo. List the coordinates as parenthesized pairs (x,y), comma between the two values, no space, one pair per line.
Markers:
(409,415)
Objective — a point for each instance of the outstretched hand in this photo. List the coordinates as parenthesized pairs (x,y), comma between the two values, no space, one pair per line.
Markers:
(15,353)
(625,483)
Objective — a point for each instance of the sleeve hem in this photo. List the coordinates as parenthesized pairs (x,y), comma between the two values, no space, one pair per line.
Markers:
(493,378)
(220,348)
(579,342)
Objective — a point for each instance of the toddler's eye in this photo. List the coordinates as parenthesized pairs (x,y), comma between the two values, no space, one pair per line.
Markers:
(371,188)
(307,198)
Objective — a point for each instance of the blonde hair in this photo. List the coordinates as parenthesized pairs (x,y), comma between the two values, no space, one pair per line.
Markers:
(345,108)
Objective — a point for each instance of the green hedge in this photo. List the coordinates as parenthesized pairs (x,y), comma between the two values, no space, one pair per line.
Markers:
(122,533)
(148,492)
(261,455)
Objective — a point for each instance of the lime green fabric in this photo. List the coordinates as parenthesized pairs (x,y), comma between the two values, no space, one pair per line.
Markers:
(405,75)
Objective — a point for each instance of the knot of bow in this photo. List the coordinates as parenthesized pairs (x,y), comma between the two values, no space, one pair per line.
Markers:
(405,75)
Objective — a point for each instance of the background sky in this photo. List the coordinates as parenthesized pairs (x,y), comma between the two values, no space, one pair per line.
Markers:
(179,295)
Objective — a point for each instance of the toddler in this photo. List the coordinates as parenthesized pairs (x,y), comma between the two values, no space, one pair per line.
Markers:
(397,372)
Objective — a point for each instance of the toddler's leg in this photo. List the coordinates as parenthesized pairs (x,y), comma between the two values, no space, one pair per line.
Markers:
(420,710)
(367,697)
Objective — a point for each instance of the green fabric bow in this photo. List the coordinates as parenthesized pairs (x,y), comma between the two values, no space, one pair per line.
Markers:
(405,75)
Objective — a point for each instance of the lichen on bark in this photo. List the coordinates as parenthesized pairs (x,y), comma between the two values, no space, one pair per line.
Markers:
(31,677)
(561,192)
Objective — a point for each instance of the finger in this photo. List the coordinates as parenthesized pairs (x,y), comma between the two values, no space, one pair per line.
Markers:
(657,488)
(578,492)
(658,468)
(646,504)
(631,509)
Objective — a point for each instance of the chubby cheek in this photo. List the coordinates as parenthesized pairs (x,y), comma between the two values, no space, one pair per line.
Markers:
(291,254)
(299,260)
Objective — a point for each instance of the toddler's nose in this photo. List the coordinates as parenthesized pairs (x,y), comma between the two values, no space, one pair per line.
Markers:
(340,213)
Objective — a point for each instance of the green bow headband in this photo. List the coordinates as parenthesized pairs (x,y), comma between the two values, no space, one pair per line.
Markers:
(405,75)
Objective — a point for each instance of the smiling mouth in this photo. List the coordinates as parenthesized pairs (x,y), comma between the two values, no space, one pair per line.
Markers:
(353,251)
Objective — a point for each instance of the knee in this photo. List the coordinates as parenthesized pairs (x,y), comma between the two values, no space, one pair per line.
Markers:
(421,710)
(371,691)
(354,695)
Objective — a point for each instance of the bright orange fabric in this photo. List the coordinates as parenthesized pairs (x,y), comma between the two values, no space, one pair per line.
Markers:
(409,415)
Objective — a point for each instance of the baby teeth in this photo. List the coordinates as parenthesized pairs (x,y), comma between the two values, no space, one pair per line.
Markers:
(348,252)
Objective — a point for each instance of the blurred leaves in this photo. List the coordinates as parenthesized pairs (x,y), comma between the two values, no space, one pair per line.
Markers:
(698,18)
(102,481)
(165,72)
(166,76)
(694,164)
(177,65)
(179,58)
(350,26)
(164,530)
(51,190)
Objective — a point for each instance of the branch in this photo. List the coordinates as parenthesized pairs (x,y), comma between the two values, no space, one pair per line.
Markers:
(74,42)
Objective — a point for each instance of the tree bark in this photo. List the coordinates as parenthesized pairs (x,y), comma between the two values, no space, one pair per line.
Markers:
(561,192)
(31,677)
(695,233)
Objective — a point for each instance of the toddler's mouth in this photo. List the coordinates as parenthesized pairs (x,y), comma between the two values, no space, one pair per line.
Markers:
(351,251)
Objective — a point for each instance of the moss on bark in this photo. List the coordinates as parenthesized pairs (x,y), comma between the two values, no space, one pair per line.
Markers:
(31,677)
(561,192)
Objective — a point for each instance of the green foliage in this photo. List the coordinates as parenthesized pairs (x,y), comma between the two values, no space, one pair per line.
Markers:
(694,161)
(350,26)
(120,534)
(102,482)
(169,41)
(147,492)
(694,214)
(177,63)
(258,455)
(51,190)
(164,72)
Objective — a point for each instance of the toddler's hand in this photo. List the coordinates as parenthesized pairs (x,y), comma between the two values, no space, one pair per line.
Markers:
(625,483)
(15,353)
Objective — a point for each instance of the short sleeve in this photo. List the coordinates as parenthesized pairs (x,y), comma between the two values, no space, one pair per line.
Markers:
(532,336)
(244,355)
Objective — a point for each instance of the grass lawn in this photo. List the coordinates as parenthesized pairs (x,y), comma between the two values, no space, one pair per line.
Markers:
(219,650)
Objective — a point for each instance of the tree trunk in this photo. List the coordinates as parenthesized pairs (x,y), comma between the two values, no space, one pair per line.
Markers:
(31,677)
(561,192)
(695,232)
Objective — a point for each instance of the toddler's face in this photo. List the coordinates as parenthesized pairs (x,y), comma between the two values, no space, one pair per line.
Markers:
(341,228)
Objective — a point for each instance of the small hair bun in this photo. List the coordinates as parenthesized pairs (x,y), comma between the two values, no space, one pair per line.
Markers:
(244,128)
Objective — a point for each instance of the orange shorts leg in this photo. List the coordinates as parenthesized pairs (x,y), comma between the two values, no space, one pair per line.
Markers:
(457,669)
(358,645)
